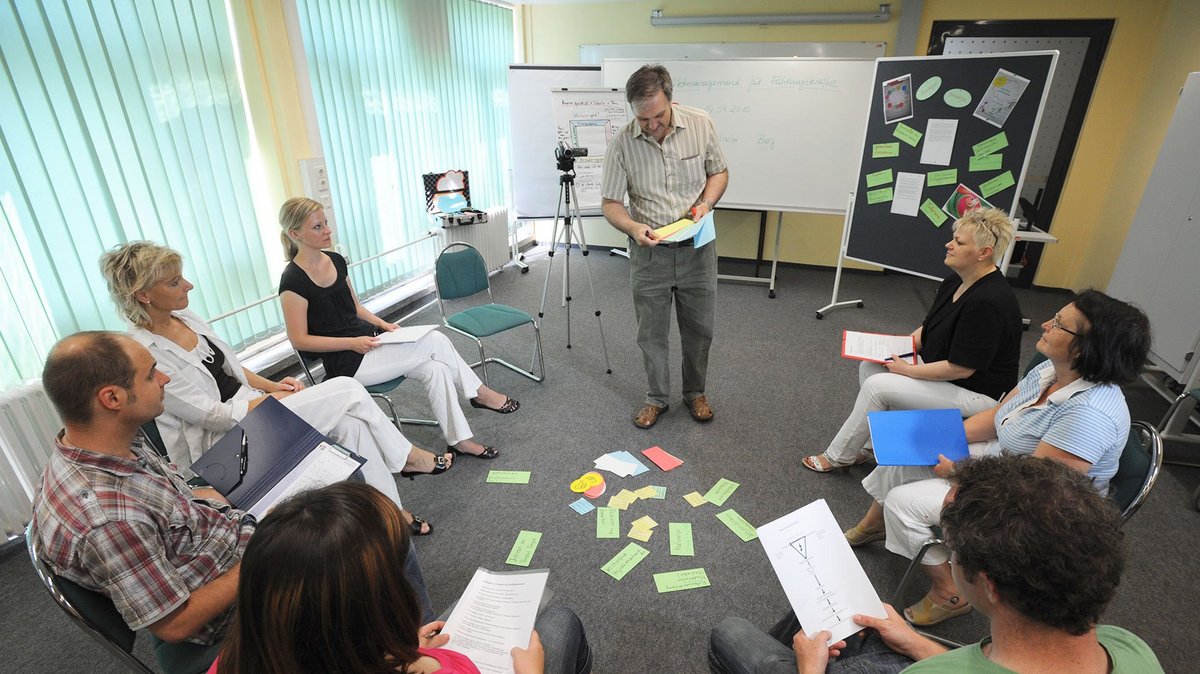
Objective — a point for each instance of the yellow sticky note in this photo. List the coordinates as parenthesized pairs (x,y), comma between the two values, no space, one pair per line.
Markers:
(694,498)
(645,522)
(645,492)
(586,482)
(640,534)
(617,502)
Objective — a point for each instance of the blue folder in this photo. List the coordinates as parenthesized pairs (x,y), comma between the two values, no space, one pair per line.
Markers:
(276,442)
(916,437)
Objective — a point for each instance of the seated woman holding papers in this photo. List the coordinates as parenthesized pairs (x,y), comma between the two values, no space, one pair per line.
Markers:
(969,343)
(318,593)
(1069,408)
(210,391)
(324,318)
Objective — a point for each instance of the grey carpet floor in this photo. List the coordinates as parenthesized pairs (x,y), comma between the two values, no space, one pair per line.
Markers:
(780,391)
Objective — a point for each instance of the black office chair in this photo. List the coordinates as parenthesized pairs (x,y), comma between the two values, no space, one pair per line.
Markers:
(95,614)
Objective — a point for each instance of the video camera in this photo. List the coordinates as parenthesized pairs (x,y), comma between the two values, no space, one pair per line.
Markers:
(566,156)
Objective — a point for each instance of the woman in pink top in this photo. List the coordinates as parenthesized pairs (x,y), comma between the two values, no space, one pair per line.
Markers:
(320,591)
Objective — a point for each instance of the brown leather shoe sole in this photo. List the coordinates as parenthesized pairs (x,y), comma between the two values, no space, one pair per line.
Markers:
(700,409)
(648,415)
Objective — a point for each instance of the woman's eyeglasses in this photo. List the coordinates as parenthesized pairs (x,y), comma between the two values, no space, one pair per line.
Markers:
(1057,323)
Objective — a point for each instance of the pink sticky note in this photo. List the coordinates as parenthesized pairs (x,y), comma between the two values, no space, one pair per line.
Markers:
(661,458)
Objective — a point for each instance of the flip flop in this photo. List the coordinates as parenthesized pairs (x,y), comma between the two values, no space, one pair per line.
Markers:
(418,524)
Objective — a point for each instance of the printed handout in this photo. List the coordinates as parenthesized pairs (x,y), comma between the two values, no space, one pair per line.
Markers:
(495,615)
(877,348)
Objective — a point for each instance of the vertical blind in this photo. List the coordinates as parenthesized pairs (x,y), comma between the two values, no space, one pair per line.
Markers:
(122,120)
(401,89)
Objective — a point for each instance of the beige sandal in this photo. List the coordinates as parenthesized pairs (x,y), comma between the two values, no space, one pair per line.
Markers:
(926,612)
(857,536)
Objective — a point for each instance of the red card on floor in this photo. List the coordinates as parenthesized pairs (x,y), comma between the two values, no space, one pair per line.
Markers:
(661,458)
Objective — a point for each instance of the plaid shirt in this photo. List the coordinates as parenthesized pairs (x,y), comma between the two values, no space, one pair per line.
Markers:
(132,530)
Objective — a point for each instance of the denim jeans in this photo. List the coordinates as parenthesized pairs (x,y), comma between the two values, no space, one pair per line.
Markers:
(737,647)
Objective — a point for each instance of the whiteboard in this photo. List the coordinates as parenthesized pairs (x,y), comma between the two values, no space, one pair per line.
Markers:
(532,131)
(791,128)
(588,118)
(596,53)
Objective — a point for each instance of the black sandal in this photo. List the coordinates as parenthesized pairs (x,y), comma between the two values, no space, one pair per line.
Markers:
(440,465)
(416,525)
(508,407)
(488,452)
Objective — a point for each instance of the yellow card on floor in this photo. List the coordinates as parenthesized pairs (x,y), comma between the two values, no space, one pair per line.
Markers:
(681,539)
(645,492)
(625,560)
(687,579)
(721,491)
(586,482)
(523,548)
(738,524)
(694,498)
(617,502)
(639,533)
(645,522)
(608,523)
(508,476)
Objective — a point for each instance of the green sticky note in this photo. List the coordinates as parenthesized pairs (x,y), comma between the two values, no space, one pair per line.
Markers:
(681,539)
(721,491)
(875,197)
(879,178)
(737,524)
(931,211)
(522,549)
(997,184)
(943,177)
(625,560)
(991,162)
(508,476)
(608,523)
(687,579)
(885,150)
(990,146)
(659,492)
(907,134)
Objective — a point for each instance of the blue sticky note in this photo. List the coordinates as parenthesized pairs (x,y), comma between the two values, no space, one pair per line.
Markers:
(916,437)
(708,231)
(583,506)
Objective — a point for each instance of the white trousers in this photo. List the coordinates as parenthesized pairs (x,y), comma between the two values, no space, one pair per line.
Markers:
(912,498)
(433,361)
(881,390)
(342,410)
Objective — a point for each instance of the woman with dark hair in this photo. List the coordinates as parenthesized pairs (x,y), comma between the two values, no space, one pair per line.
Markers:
(1069,408)
(324,318)
(319,592)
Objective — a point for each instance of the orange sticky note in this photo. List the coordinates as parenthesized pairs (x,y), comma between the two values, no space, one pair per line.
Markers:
(662,458)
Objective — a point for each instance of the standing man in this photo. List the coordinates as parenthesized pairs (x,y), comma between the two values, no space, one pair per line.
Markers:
(669,163)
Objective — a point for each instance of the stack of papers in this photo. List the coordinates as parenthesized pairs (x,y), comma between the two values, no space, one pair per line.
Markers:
(621,463)
(704,231)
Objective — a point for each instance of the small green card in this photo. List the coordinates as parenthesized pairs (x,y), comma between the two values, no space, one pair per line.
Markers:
(523,548)
(625,560)
(681,539)
(687,579)
(991,162)
(990,146)
(879,178)
(659,492)
(608,523)
(997,184)
(907,134)
(885,150)
(721,491)
(737,524)
(876,197)
(508,476)
(943,177)
(931,211)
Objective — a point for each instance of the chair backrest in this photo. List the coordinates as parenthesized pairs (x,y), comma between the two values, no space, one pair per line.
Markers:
(91,611)
(1037,359)
(307,363)
(150,429)
(1138,470)
(459,273)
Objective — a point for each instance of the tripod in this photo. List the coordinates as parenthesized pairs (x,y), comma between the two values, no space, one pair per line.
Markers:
(566,192)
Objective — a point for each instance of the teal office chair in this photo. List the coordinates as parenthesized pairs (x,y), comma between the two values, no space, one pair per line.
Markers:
(378,391)
(460,274)
(95,614)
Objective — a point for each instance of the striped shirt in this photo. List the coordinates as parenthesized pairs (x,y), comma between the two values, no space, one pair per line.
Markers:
(1084,418)
(663,181)
(133,531)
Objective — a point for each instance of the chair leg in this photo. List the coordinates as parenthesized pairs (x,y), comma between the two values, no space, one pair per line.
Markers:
(898,596)
(397,420)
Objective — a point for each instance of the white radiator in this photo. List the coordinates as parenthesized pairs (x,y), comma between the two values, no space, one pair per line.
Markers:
(28,424)
(491,237)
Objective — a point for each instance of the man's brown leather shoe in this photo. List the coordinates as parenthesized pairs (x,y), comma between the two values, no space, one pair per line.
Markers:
(700,409)
(648,415)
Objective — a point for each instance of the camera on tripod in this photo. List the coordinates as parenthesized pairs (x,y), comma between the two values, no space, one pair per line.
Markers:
(566,156)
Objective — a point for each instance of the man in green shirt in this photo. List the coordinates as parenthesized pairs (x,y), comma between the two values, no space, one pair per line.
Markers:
(1033,547)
